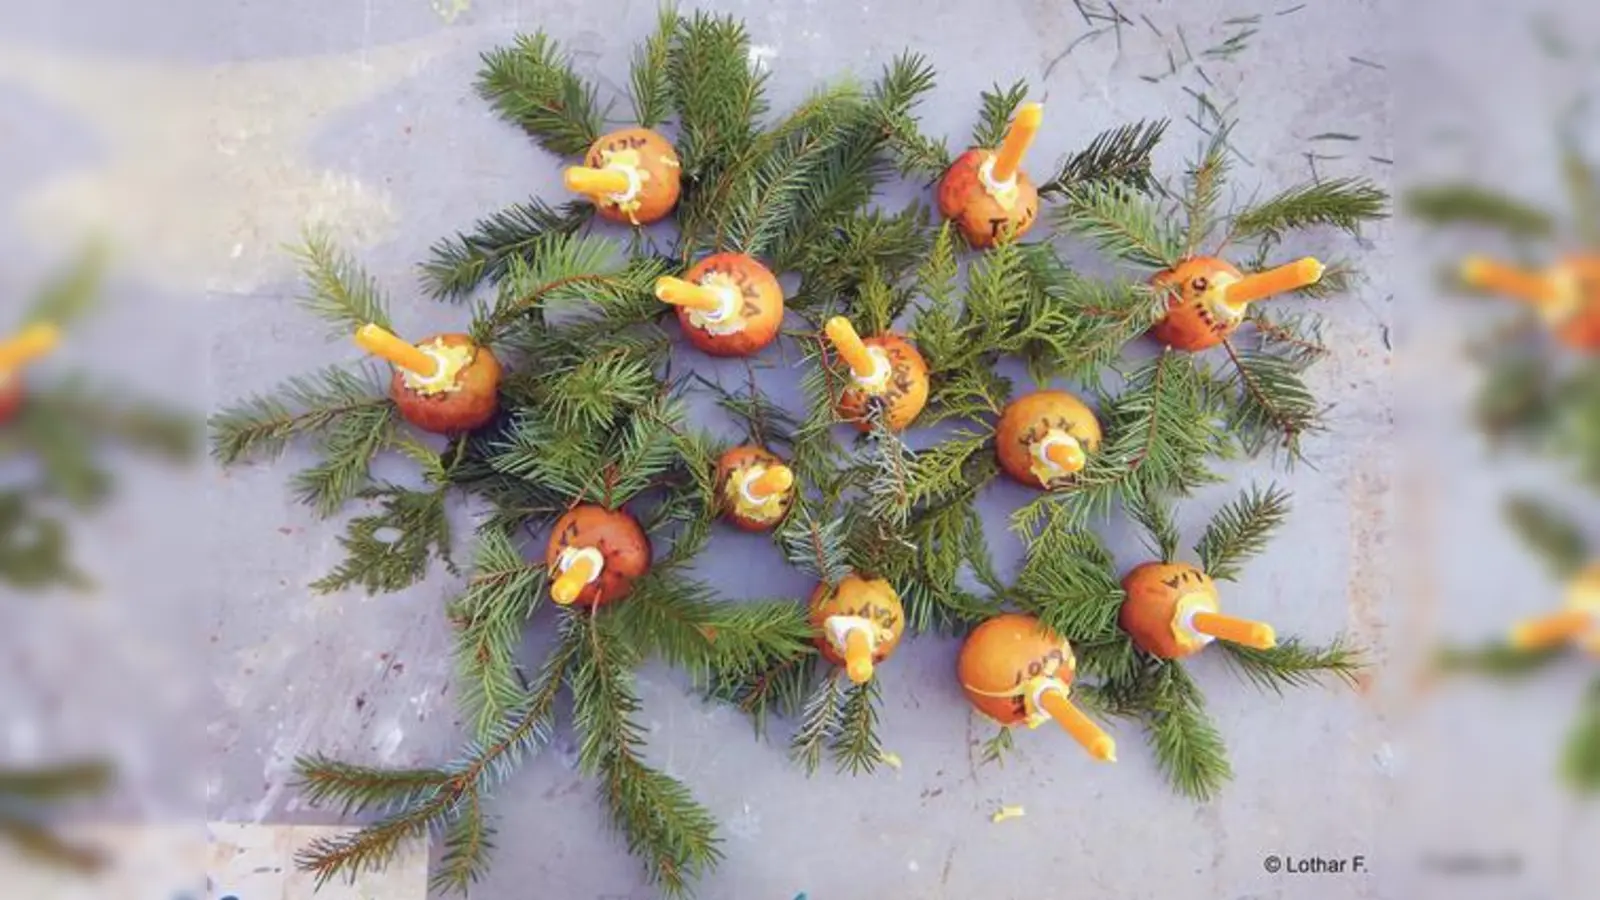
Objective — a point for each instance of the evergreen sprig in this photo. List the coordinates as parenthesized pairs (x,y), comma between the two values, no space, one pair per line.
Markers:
(997,107)
(502,592)
(1497,659)
(1273,408)
(1122,223)
(347,447)
(263,425)
(1203,182)
(341,292)
(1344,203)
(73,292)
(1461,203)
(1292,664)
(29,798)
(1550,533)
(532,84)
(1188,748)
(392,549)
(1118,156)
(905,81)
(518,232)
(815,547)
(840,720)
(649,75)
(1580,758)
(1068,580)
(1240,531)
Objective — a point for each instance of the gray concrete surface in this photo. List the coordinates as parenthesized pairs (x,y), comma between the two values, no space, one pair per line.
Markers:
(203,135)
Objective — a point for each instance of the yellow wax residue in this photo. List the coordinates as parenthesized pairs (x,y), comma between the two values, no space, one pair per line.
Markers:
(451,361)
(892,760)
(1190,602)
(1008,812)
(1043,469)
(629,161)
(732,320)
(769,508)
(1004,193)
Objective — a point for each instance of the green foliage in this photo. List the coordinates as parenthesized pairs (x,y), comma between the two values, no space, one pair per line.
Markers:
(1203,190)
(391,549)
(1153,512)
(1122,223)
(1188,748)
(1069,581)
(347,447)
(996,747)
(1461,203)
(815,547)
(518,232)
(1240,531)
(905,81)
(1583,187)
(652,91)
(73,292)
(1498,660)
(869,250)
(841,720)
(29,797)
(662,824)
(531,84)
(997,108)
(1550,533)
(572,272)
(780,689)
(1272,408)
(263,425)
(1580,759)
(1344,203)
(502,592)
(342,293)
(1119,156)
(1292,664)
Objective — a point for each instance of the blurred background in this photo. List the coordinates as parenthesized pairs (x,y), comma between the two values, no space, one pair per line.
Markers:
(159,658)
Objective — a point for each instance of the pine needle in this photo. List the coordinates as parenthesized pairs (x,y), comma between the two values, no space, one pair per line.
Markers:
(998,108)
(263,425)
(532,84)
(1203,192)
(855,745)
(1551,534)
(518,232)
(1498,660)
(73,292)
(1068,581)
(905,81)
(814,547)
(355,789)
(652,92)
(342,293)
(347,448)
(1240,531)
(1153,512)
(1293,665)
(995,748)
(393,548)
(1188,748)
(490,617)
(1472,205)
(1583,190)
(1344,203)
(1122,223)
(820,721)
(1580,759)
(778,690)
(1273,408)
(1119,156)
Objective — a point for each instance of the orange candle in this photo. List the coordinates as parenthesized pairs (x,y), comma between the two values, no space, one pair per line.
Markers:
(1018,138)
(1235,630)
(584,569)
(34,341)
(384,345)
(775,480)
(687,294)
(595,182)
(1280,280)
(848,343)
(1082,728)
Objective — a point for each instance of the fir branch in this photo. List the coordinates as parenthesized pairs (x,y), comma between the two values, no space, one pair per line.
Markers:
(779,689)
(33,547)
(484,765)
(1580,758)
(263,425)
(568,271)
(820,722)
(886,464)
(73,291)
(1273,409)
(998,107)
(392,549)
(927,561)
(855,745)
(354,789)
(1068,581)
(490,616)
(869,247)
(1240,531)
(1498,660)
(467,843)
(342,293)
(815,548)
(1344,203)
(1103,320)
(1296,337)
(518,232)
(663,825)
(1122,223)
(1153,512)
(905,81)
(1292,664)
(1189,750)
(1461,203)
(1119,156)
(55,782)
(347,448)
(531,84)
(1203,190)
(652,91)
(1550,533)
(65,424)
(37,842)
